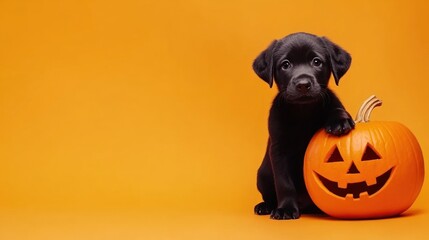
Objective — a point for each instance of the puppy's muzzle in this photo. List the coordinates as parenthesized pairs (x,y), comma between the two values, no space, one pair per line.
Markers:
(303,86)
(303,83)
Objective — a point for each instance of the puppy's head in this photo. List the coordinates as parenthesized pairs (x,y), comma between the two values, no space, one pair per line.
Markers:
(301,65)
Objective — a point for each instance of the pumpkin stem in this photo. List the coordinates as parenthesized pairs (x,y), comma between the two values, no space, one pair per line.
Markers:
(366,109)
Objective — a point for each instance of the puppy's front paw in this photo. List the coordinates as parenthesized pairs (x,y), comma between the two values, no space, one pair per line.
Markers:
(285,213)
(339,123)
(340,127)
(263,208)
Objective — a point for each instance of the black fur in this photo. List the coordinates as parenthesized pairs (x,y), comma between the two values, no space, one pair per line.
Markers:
(300,64)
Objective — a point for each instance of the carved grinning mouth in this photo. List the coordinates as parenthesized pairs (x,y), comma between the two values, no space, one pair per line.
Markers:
(355,188)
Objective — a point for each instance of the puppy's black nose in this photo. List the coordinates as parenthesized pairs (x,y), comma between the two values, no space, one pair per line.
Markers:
(303,86)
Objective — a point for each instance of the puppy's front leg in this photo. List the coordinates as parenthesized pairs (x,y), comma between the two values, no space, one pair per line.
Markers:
(338,120)
(287,205)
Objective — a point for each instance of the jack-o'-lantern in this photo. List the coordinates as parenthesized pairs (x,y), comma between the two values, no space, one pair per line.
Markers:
(374,171)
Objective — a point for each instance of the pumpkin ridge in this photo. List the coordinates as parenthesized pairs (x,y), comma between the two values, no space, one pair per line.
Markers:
(416,151)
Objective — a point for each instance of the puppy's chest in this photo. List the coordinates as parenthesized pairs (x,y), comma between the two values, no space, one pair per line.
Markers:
(296,122)
(302,116)
(301,124)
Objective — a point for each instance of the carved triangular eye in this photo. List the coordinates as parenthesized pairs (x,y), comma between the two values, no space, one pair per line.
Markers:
(335,156)
(370,154)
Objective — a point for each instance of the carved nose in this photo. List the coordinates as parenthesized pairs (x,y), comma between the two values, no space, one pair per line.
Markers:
(303,86)
(353,169)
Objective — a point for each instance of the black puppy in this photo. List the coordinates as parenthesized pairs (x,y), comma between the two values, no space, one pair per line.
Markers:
(301,65)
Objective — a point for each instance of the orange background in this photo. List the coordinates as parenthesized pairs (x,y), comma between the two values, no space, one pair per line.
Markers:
(144,120)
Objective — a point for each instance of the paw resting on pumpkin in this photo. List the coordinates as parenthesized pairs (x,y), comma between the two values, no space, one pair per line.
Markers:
(340,127)
(340,123)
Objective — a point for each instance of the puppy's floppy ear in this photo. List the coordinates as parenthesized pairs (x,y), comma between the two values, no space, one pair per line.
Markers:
(340,59)
(263,64)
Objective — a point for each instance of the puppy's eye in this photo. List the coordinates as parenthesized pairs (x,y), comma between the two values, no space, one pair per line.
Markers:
(286,64)
(317,62)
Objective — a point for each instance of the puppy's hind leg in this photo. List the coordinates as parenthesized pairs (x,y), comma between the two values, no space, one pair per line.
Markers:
(265,183)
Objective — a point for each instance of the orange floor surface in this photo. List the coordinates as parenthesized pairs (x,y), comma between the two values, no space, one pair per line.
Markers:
(193,225)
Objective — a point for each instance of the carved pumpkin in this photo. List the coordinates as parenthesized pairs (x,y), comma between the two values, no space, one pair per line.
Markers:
(374,171)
